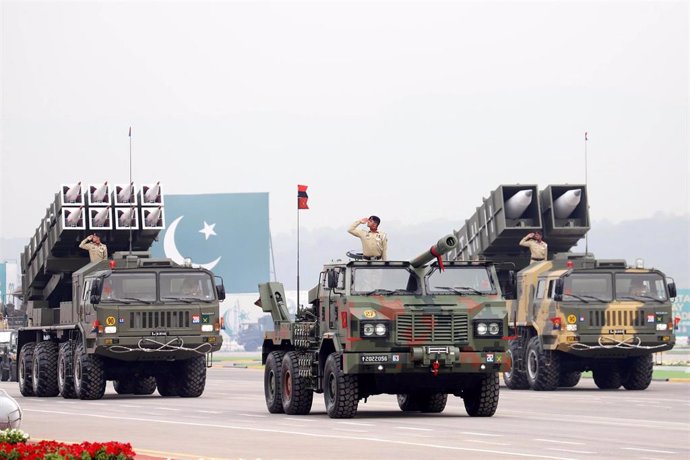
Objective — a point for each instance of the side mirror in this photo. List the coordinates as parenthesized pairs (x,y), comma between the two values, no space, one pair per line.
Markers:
(558,290)
(96,286)
(511,286)
(220,291)
(672,292)
(332,280)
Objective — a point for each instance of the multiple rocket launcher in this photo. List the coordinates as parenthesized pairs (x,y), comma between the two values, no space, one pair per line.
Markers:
(78,211)
(560,212)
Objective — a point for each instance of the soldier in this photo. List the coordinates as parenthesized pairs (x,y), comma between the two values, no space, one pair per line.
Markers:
(97,250)
(374,243)
(537,247)
(638,288)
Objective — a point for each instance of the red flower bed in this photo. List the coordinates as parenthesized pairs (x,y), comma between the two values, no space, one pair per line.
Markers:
(52,450)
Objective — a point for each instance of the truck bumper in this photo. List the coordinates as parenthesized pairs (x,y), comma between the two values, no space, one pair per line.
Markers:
(155,348)
(426,360)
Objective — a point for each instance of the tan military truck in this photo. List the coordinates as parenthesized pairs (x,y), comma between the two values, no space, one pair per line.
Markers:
(575,313)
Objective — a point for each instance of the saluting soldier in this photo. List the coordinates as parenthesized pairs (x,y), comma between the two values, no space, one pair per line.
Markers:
(537,246)
(97,250)
(374,242)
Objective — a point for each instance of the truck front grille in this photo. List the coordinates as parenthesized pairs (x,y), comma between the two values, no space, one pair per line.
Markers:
(158,319)
(617,318)
(423,328)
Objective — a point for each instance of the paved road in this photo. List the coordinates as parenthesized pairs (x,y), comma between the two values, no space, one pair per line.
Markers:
(230,421)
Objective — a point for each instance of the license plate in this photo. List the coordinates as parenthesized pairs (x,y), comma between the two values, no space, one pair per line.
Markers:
(159,332)
(617,331)
(375,358)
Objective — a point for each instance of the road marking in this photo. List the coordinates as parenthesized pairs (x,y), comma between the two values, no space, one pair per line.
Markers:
(210,411)
(299,419)
(492,443)
(351,430)
(649,450)
(356,423)
(412,428)
(253,415)
(561,442)
(166,408)
(300,433)
(129,405)
(471,433)
(571,451)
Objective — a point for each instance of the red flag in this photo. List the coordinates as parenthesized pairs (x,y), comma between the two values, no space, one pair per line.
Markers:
(302,197)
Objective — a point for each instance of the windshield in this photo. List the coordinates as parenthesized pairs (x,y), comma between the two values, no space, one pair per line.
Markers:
(186,286)
(460,280)
(384,280)
(588,287)
(640,286)
(133,287)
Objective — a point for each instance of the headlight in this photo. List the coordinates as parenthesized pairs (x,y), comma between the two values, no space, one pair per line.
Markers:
(368,329)
(494,329)
(380,329)
(481,328)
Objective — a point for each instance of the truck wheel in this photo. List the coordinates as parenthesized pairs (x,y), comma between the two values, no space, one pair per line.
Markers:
(166,386)
(569,379)
(481,400)
(65,370)
(192,377)
(340,390)
(145,386)
(44,369)
(272,373)
(638,372)
(542,367)
(296,395)
(515,379)
(124,386)
(607,377)
(89,374)
(26,357)
(433,403)
(408,402)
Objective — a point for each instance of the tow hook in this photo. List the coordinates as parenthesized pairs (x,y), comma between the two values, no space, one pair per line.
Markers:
(434,367)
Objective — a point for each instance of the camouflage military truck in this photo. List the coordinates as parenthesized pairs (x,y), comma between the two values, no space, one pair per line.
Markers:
(572,312)
(143,323)
(418,330)
(575,313)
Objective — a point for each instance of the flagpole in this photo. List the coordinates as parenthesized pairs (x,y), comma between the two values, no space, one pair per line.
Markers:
(130,184)
(298,257)
(586,234)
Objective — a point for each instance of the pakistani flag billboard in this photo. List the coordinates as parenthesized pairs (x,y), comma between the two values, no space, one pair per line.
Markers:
(226,233)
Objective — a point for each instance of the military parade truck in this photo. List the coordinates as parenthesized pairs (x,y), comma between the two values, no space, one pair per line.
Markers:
(131,319)
(419,331)
(570,313)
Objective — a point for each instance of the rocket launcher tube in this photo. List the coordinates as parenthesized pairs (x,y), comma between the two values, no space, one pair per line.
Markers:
(443,246)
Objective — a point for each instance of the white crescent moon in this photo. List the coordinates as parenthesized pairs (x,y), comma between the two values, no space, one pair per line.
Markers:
(170,248)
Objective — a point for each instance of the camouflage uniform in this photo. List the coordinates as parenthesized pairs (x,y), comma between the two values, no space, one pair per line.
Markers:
(538,249)
(97,252)
(374,245)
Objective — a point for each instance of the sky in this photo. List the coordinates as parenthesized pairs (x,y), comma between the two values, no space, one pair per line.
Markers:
(412,111)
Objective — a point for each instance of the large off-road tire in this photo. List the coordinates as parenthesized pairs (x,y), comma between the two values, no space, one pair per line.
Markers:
(515,379)
(481,400)
(89,374)
(296,395)
(145,386)
(607,377)
(192,374)
(408,402)
(637,372)
(44,369)
(26,357)
(340,390)
(124,386)
(433,403)
(542,366)
(166,385)
(272,390)
(65,370)
(569,379)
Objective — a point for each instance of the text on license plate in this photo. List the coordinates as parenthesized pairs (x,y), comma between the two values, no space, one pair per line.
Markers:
(375,358)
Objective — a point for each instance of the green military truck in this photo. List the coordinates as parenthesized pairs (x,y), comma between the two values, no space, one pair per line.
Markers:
(417,330)
(575,313)
(570,313)
(132,319)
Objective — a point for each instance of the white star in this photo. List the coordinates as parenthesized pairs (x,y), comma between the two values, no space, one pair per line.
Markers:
(208,230)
